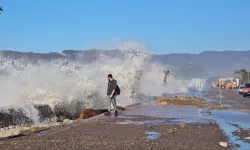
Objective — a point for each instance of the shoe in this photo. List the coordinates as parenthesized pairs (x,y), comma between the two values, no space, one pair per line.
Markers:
(116,113)
(108,113)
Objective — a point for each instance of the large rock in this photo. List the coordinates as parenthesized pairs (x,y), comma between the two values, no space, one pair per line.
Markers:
(9,117)
(13,117)
(45,112)
(87,113)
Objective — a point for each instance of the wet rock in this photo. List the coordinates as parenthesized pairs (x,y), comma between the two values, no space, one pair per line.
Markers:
(223,144)
(61,118)
(62,113)
(87,113)
(13,117)
(44,111)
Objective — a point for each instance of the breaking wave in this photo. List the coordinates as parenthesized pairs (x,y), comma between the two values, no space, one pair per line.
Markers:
(67,82)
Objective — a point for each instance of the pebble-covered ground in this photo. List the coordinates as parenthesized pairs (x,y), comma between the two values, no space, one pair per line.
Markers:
(105,133)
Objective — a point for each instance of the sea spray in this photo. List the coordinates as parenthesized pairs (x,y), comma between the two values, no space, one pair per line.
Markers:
(76,84)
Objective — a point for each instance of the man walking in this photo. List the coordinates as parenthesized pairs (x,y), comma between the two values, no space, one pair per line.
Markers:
(111,93)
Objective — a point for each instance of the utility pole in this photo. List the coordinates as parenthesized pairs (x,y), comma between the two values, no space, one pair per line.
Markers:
(220,96)
(248,76)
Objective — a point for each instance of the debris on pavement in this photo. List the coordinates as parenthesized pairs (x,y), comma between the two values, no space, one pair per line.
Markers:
(152,135)
(209,112)
(68,121)
(182,125)
(212,123)
(223,144)
(10,132)
(121,108)
(243,134)
(34,129)
(247,138)
(170,130)
(186,102)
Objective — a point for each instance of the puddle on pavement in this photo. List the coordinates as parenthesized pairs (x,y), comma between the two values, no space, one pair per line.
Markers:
(224,118)
(145,122)
(152,135)
(184,115)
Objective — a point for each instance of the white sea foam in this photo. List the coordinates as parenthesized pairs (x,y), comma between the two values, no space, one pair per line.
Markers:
(63,81)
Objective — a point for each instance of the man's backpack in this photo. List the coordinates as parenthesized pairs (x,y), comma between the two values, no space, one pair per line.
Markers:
(117,90)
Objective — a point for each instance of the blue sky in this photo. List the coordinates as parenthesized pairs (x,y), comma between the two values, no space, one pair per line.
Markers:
(164,26)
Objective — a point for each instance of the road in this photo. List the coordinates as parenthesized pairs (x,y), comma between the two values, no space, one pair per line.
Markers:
(230,98)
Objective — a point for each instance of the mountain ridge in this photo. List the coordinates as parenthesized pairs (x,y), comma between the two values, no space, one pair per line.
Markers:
(205,64)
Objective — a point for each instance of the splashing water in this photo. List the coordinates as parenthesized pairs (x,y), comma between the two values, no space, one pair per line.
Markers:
(65,81)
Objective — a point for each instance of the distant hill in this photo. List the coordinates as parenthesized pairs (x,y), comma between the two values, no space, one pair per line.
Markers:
(206,64)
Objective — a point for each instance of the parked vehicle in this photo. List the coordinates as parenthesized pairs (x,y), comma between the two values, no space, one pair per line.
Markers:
(246,91)
(227,83)
(241,89)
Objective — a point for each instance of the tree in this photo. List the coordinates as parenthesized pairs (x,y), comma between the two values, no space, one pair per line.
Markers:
(243,75)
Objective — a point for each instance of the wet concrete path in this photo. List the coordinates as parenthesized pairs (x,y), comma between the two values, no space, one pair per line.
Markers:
(138,127)
(228,120)
(143,127)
